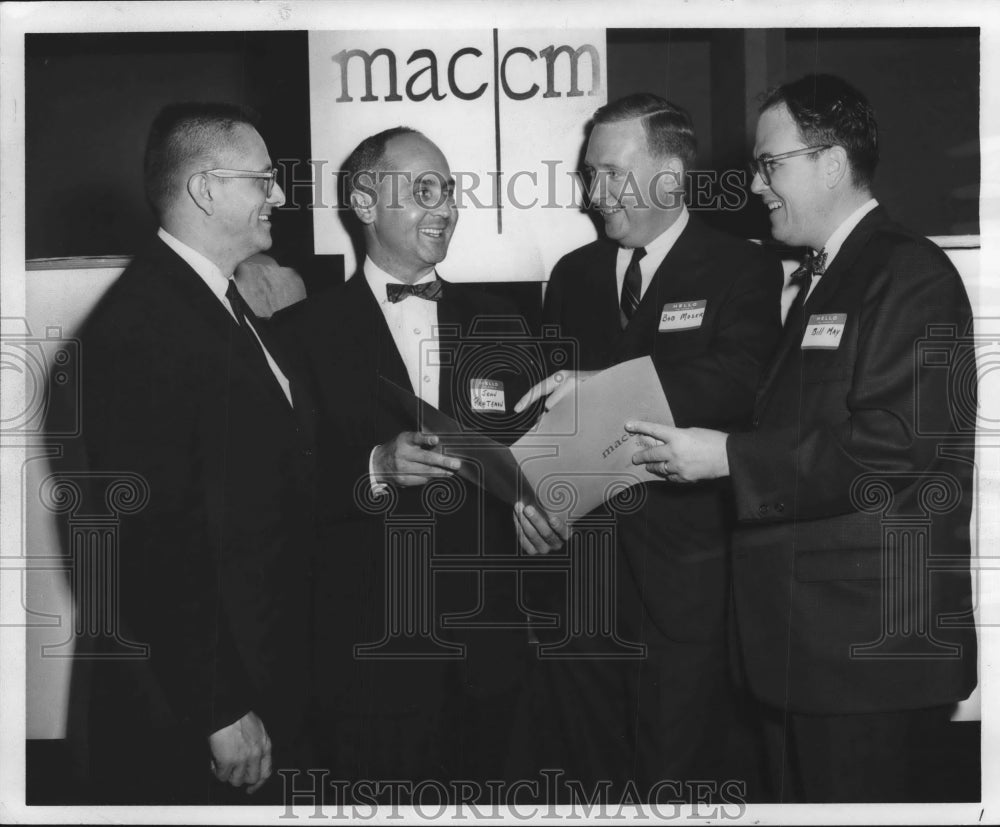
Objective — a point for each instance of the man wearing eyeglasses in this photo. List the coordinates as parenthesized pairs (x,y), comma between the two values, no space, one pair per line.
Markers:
(183,386)
(853,487)
(402,693)
(667,717)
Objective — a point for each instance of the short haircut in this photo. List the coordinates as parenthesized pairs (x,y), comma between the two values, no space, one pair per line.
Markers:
(182,134)
(368,159)
(669,131)
(828,110)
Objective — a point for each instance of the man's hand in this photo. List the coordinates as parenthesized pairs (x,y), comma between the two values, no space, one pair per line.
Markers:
(686,455)
(241,753)
(538,532)
(410,459)
(558,385)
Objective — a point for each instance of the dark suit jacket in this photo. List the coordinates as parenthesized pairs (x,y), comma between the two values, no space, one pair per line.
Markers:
(213,570)
(344,339)
(673,580)
(835,472)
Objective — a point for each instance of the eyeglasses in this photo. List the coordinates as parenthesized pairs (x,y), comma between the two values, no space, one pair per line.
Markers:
(271,176)
(763,164)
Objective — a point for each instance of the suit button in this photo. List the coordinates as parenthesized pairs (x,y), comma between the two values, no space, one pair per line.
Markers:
(756,421)
(779,507)
(762,510)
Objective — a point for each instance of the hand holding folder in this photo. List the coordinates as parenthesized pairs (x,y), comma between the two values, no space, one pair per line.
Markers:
(576,457)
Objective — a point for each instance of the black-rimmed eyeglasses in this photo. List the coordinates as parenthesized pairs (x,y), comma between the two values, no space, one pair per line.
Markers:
(763,164)
(271,176)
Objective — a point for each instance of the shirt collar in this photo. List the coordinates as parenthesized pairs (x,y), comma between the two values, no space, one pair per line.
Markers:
(209,272)
(658,248)
(378,278)
(836,241)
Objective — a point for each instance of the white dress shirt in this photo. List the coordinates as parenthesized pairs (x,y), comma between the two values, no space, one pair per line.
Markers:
(218,283)
(839,236)
(413,323)
(656,251)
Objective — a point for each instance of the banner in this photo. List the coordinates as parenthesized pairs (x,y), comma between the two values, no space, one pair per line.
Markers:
(508,109)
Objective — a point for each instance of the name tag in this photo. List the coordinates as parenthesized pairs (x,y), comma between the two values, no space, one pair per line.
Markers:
(824,331)
(682,315)
(487,395)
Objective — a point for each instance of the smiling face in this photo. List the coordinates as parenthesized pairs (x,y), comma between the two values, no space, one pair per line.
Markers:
(798,199)
(243,205)
(410,225)
(630,187)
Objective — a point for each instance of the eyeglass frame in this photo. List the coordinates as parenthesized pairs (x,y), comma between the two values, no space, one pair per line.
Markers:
(272,176)
(757,166)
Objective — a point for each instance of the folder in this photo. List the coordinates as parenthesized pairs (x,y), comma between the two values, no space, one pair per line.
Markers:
(576,457)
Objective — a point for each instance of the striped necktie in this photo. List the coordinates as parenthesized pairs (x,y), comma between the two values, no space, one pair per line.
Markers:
(632,286)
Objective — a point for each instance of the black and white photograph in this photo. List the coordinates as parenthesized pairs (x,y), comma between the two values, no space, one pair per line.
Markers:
(480,412)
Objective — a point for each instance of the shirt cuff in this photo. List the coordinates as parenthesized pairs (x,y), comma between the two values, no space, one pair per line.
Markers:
(378,488)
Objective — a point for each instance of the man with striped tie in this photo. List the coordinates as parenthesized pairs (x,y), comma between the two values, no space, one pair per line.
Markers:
(666,716)
(853,489)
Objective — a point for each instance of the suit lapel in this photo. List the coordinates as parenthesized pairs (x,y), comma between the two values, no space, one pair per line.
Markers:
(795,328)
(451,316)
(197,295)
(370,328)
(191,288)
(607,299)
(677,274)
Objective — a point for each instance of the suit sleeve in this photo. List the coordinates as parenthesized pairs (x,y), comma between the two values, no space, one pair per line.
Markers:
(715,388)
(140,414)
(342,476)
(813,464)
(552,307)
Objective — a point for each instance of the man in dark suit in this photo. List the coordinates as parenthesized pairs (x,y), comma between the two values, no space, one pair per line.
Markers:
(397,695)
(850,569)
(664,717)
(182,387)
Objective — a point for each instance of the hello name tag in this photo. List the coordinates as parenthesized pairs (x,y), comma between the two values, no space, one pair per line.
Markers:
(487,395)
(823,331)
(682,315)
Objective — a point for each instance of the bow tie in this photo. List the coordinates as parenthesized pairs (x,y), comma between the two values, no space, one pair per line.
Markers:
(814,264)
(430,290)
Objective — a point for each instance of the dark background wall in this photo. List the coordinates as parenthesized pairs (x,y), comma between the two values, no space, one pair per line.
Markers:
(922,83)
(90,100)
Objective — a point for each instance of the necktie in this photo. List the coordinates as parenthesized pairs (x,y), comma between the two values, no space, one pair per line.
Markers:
(632,287)
(243,316)
(814,264)
(429,290)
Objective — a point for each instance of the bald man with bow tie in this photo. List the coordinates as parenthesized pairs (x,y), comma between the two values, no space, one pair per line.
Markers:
(441,710)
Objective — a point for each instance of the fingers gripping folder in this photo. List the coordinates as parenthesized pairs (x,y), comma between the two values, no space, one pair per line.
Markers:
(576,457)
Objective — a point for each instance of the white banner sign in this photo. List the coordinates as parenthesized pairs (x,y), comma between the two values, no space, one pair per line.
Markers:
(508,109)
